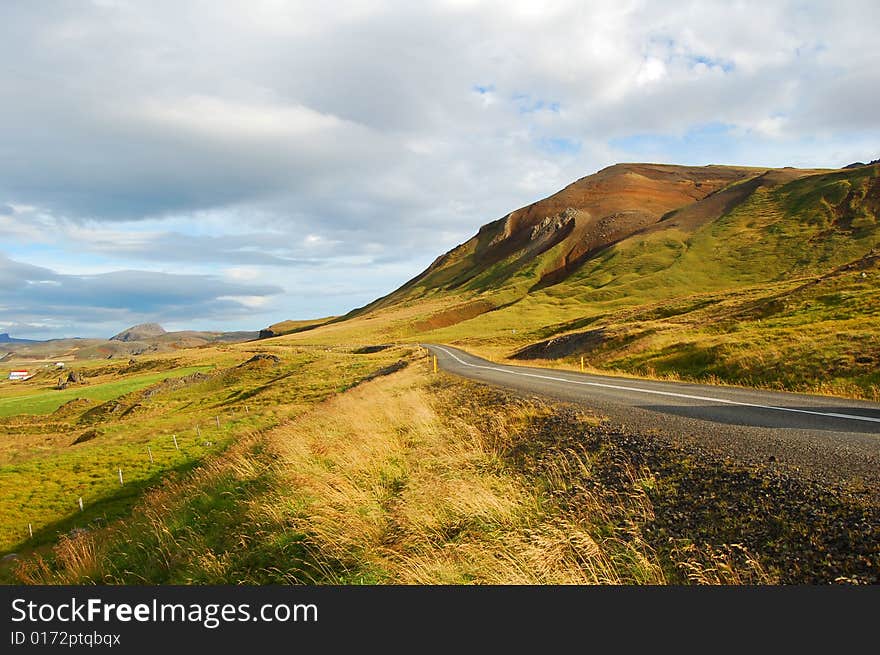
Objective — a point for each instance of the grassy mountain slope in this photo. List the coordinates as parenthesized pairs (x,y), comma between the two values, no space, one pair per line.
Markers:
(721,280)
(555,235)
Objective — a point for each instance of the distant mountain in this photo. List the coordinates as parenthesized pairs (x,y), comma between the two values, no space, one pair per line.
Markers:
(5,338)
(859,164)
(140,332)
(141,339)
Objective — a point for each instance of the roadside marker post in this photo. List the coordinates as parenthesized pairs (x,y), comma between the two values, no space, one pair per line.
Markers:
(31,530)
(435,363)
(582,363)
(174,436)
(150,453)
(120,477)
(80,504)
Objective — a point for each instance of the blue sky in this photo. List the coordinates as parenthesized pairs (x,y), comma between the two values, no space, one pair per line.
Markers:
(228,165)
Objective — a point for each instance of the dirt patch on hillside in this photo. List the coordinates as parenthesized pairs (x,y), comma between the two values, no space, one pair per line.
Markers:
(138,366)
(109,409)
(369,350)
(88,435)
(261,359)
(454,315)
(569,344)
(74,406)
(172,384)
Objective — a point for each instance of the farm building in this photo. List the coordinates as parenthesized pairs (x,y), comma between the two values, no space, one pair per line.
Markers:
(19,375)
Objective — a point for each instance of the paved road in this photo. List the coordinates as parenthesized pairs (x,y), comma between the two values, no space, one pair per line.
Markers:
(833,438)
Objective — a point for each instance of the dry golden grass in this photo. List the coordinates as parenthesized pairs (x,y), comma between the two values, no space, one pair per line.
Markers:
(384,474)
(728,565)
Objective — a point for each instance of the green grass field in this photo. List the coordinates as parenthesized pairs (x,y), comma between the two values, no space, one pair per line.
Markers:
(47,402)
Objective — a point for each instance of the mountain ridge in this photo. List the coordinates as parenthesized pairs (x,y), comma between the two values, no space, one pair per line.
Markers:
(5,338)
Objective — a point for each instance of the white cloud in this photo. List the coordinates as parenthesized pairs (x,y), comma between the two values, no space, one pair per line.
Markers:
(251,302)
(242,273)
(652,70)
(218,118)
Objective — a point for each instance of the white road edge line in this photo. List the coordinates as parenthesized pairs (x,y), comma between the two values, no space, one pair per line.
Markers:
(658,393)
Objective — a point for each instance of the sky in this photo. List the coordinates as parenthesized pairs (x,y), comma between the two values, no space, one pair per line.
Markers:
(227,165)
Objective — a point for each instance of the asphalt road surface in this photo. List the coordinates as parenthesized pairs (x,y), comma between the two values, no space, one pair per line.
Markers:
(832,439)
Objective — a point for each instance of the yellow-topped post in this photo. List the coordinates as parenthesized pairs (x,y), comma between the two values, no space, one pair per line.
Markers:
(582,363)
(435,363)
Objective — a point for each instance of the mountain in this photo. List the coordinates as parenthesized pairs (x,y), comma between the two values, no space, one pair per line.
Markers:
(140,332)
(632,222)
(544,244)
(751,275)
(5,338)
(555,236)
(859,164)
(137,340)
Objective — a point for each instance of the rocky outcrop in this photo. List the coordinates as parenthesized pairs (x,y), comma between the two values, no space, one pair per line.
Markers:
(262,358)
(88,435)
(103,411)
(569,344)
(172,384)
(553,224)
(367,350)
